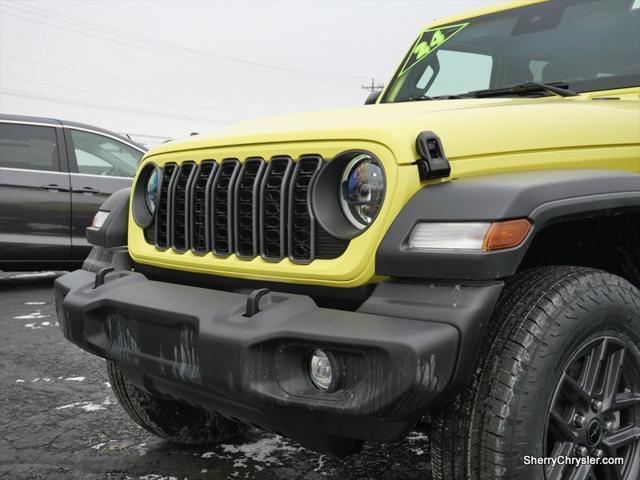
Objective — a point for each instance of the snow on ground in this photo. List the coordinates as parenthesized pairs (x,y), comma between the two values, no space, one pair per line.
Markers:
(272,450)
(152,476)
(49,379)
(88,406)
(32,316)
(41,325)
(266,450)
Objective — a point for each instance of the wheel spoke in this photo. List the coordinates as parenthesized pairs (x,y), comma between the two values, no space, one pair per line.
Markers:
(582,472)
(573,392)
(593,366)
(626,400)
(556,472)
(621,438)
(614,472)
(613,371)
(561,427)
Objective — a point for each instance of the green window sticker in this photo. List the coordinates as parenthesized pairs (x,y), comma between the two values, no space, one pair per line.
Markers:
(428,42)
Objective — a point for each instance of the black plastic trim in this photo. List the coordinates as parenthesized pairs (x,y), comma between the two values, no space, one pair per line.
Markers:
(240,231)
(227,190)
(296,218)
(206,215)
(542,196)
(433,163)
(164,202)
(333,297)
(283,207)
(113,232)
(141,214)
(396,363)
(184,226)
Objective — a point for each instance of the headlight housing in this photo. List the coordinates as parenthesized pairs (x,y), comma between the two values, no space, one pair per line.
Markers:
(362,190)
(145,194)
(151,191)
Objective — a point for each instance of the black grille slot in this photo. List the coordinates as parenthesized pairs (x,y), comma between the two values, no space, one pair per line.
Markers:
(301,224)
(222,207)
(274,195)
(200,207)
(181,206)
(163,207)
(246,207)
(150,233)
(249,208)
(328,247)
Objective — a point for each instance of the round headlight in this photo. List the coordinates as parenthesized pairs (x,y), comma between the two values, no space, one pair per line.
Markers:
(151,191)
(362,190)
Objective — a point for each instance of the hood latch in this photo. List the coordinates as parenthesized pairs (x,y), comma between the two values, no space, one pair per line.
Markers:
(433,163)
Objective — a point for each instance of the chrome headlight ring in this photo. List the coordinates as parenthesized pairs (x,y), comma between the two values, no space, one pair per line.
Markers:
(362,189)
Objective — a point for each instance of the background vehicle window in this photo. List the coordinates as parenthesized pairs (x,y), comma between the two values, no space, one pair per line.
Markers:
(99,155)
(28,146)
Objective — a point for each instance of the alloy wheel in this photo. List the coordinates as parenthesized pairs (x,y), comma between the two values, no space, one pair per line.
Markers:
(595,413)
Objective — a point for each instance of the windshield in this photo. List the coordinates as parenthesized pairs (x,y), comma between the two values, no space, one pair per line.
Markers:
(587,44)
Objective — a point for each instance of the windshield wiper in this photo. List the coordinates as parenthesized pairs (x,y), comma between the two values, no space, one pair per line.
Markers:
(557,88)
(423,98)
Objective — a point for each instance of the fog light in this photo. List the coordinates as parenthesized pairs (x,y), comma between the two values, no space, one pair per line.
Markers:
(321,370)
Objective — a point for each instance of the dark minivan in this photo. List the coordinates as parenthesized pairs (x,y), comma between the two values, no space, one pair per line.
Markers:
(53,177)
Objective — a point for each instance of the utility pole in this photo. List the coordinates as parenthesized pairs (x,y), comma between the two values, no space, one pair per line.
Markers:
(373,87)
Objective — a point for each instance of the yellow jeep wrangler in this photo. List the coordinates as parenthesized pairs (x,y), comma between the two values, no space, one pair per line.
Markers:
(463,251)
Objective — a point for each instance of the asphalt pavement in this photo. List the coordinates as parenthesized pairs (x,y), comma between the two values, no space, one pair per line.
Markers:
(59,418)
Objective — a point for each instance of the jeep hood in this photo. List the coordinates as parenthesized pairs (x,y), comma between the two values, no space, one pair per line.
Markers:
(467,127)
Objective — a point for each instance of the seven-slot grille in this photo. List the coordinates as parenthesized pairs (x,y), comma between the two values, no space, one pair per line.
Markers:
(253,208)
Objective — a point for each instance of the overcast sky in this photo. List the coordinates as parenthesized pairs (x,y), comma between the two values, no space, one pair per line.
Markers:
(168,68)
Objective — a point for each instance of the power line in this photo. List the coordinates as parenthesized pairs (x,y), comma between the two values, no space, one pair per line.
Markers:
(103,106)
(102,94)
(168,45)
(164,88)
(145,46)
(373,87)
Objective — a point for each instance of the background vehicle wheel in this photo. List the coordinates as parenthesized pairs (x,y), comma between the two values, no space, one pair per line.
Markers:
(171,420)
(559,375)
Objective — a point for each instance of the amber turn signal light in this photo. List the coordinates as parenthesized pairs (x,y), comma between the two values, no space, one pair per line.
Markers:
(508,234)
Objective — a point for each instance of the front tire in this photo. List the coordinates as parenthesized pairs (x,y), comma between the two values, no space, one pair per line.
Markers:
(171,420)
(559,375)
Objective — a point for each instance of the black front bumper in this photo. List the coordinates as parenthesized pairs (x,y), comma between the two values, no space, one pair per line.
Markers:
(196,345)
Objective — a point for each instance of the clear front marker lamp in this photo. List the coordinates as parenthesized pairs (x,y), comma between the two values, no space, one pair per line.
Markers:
(321,370)
(99,218)
(479,236)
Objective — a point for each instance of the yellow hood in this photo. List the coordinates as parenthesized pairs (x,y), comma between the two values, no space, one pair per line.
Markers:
(467,127)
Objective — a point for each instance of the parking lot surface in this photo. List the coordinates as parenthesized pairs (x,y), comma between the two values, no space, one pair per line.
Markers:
(60,420)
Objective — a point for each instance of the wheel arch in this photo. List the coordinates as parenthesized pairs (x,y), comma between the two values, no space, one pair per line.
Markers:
(547,198)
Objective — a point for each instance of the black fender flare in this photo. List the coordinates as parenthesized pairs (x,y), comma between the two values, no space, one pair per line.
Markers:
(544,197)
(114,230)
